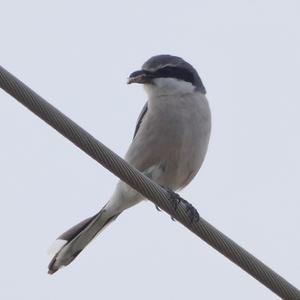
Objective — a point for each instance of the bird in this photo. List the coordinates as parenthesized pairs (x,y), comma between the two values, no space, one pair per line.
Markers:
(169,145)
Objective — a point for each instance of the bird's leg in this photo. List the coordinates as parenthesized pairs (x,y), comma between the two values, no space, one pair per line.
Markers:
(190,209)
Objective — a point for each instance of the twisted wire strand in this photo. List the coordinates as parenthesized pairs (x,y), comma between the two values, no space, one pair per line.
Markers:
(145,186)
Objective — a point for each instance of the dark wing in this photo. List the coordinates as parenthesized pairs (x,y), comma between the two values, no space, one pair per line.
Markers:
(140,119)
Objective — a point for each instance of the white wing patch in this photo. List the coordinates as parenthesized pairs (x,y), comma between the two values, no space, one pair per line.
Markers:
(154,172)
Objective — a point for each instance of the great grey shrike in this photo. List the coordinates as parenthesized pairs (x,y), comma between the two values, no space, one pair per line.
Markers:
(169,145)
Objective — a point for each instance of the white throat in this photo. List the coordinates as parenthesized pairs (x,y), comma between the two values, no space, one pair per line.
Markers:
(168,86)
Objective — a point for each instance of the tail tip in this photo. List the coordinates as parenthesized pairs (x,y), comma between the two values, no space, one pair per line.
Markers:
(54,250)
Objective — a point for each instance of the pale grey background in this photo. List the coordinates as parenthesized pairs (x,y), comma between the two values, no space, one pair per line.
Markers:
(77,54)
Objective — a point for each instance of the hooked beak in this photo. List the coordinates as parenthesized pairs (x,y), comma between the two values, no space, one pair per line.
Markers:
(141,76)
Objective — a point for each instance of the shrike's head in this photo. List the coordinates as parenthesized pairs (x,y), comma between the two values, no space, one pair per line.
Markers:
(168,74)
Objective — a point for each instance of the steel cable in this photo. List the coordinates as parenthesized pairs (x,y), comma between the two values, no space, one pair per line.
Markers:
(145,186)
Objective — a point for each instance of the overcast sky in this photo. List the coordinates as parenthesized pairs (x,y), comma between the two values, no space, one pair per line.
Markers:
(77,55)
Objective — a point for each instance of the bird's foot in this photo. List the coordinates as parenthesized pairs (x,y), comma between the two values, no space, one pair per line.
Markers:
(157,208)
(189,208)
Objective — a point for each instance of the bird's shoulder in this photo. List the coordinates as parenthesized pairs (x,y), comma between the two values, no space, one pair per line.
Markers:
(140,119)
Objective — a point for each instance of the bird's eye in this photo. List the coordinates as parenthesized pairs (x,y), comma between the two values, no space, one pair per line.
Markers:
(175,72)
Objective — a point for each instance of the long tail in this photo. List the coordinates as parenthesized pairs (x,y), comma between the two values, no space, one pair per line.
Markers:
(74,240)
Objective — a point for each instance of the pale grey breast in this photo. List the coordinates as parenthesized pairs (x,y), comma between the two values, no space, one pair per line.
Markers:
(173,136)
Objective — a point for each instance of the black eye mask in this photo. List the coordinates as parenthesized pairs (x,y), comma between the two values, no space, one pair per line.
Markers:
(175,72)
